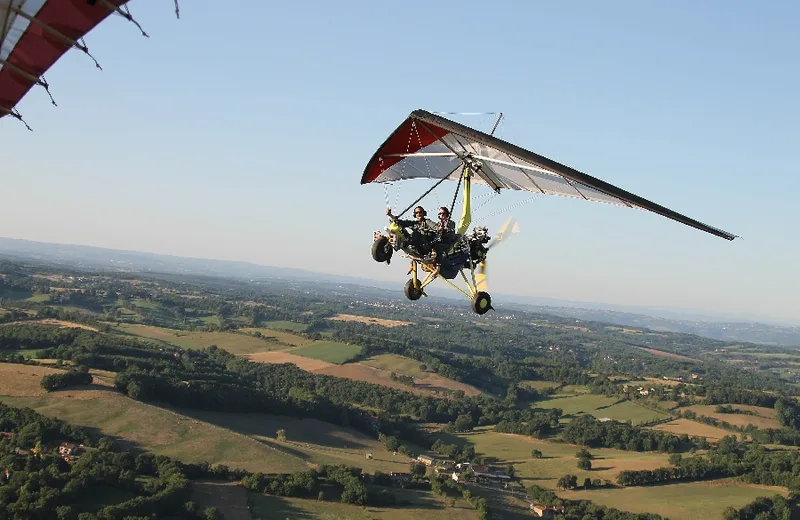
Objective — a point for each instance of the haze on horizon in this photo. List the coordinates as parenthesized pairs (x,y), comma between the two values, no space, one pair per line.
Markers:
(243,137)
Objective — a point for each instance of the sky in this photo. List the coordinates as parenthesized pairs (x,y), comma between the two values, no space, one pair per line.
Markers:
(240,131)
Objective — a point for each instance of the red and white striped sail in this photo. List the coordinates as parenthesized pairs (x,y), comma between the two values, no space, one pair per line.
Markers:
(35,34)
(426,145)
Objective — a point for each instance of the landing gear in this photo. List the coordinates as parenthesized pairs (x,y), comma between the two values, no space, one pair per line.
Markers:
(413,292)
(382,249)
(481,303)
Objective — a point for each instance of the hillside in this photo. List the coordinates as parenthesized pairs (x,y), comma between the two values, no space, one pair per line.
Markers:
(719,327)
(210,370)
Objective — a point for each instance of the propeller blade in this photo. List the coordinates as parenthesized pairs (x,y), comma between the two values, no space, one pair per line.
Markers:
(481,282)
(511,226)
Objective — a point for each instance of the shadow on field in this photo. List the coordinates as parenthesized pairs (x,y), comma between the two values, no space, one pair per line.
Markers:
(310,431)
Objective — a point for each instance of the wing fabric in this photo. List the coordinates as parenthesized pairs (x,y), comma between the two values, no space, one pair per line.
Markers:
(35,34)
(426,145)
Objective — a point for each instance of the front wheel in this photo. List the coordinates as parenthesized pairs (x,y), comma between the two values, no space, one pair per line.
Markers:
(382,250)
(481,303)
(412,291)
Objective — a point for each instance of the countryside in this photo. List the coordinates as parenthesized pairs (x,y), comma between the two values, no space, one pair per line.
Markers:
(186,397)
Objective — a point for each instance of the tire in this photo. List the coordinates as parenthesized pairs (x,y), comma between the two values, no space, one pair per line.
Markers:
(412,292)
(382,250)
(481,303)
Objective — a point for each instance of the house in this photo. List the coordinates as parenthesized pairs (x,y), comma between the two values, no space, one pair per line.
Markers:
(546,511)
(67,448)
(428,461)
(490,475)
(400,477)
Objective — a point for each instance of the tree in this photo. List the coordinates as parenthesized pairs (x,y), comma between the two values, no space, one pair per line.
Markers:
(584,454)
(418,469)
(585,464)
(212,513)
(536,454)
(463,423)
(281,435)
(567,482)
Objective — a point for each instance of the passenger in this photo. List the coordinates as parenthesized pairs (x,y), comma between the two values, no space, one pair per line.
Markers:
(445,235)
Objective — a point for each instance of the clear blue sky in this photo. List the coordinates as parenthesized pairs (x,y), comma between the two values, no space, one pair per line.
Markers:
(241,131)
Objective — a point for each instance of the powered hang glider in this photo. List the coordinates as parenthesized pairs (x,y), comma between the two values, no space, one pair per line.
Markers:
(35,34)
(428,146)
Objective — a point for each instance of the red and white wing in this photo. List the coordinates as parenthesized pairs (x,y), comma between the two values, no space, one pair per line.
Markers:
(35,34)
(429,146)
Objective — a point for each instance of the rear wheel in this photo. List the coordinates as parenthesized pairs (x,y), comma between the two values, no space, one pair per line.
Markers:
(481,303)
(412,291)
(382,250)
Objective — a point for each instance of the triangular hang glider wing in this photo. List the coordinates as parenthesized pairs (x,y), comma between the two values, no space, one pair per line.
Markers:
(429,146)
(35,34)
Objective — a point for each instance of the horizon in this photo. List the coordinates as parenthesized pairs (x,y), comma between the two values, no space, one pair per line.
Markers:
(667,313)
(249,146)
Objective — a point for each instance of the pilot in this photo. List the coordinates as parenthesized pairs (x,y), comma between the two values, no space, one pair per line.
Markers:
(423,229)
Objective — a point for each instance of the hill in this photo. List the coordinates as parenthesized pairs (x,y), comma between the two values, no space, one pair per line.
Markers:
(722,327)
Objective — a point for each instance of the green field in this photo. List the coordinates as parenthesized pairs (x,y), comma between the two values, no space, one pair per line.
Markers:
(538,385)
(577,404)
(394,363)
(685,501)
(629,411)
(574,400)
(765,418)
(558,458)
(234,343)
(145,304)
(286,325)
(246,441)
(424,506)
(277,336)
(330,351)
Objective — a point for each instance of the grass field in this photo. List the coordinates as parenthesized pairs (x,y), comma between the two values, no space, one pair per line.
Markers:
(538,385)
(229,498)
(424,506)
(238,344)
(286,325)
(245,441)
(330,351)
(278,336)
(423,379)
(766,418)
(369,320)
(663,353)
(23,380)
(160,430)
(685,501)
(629,411)
(558,459)
(51,321)
(691,428)
(575,400)
(577,404)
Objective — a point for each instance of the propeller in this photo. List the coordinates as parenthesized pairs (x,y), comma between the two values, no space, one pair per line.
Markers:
(510,227)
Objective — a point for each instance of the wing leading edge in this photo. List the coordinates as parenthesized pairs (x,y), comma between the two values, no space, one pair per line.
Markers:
(426,145)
